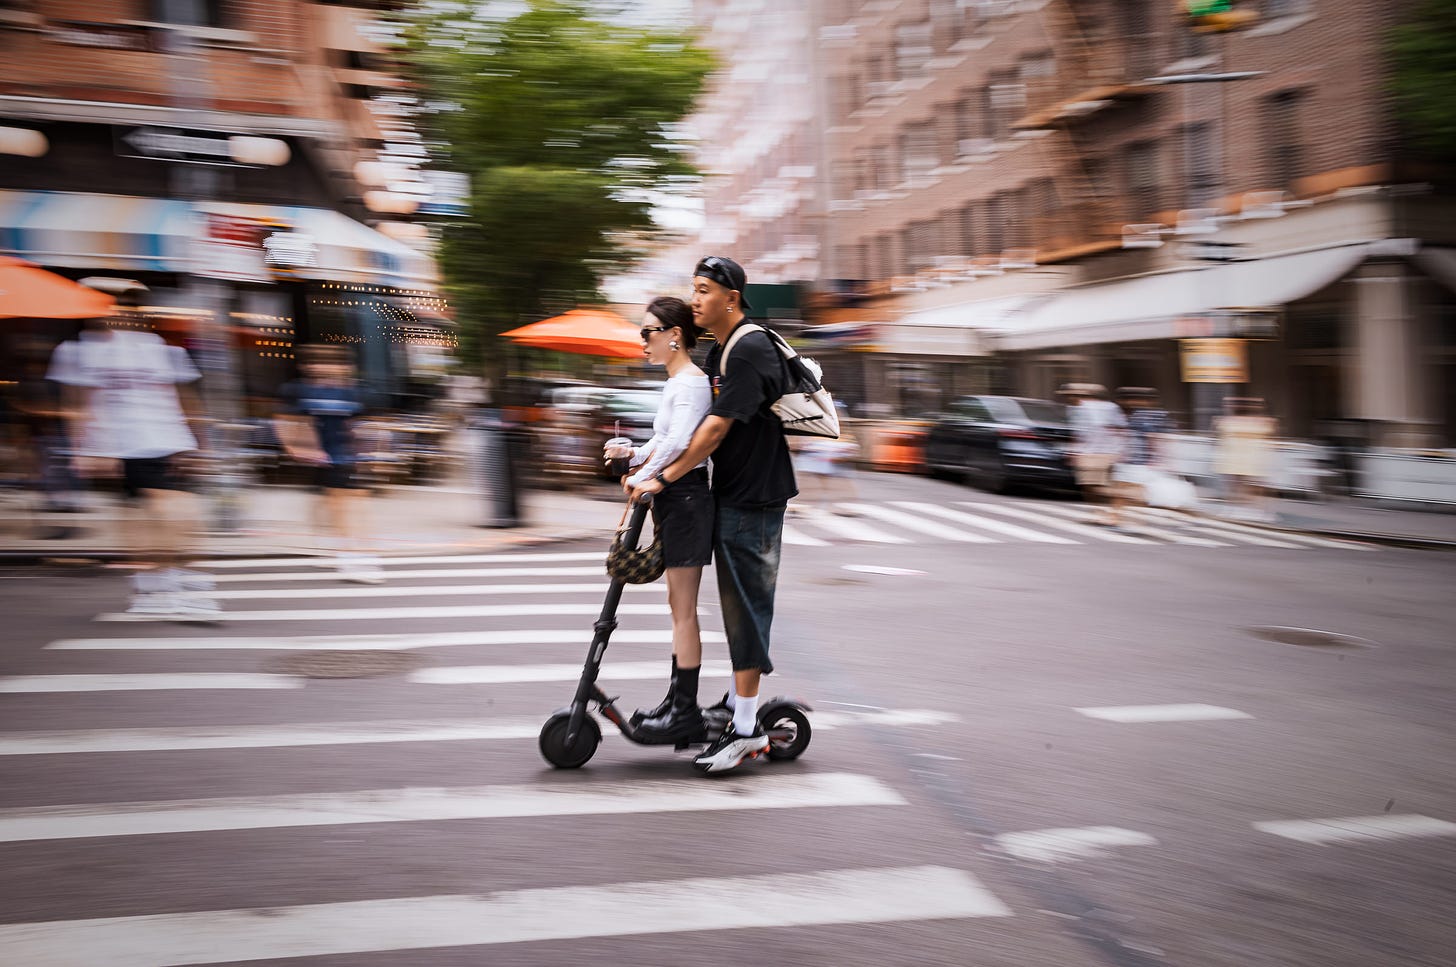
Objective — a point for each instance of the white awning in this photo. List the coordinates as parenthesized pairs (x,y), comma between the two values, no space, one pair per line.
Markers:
(954,330)
(1150,307)
(131,234)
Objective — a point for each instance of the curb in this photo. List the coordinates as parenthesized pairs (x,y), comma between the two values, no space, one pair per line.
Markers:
(1384,540)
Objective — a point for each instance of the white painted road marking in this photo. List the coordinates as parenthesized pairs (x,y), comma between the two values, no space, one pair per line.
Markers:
(997,526)
(393,574)
(329,561)
(514,674)
(794,536)
(426,591)
(418,923)
(1355,828)
(1172,537)
(1082,530)
(881,569)
(913,523)
(1060,845)
(428,611)
(850,529)
(440,639)
(1163,713)
(363,733)
(434,804)
(127,683)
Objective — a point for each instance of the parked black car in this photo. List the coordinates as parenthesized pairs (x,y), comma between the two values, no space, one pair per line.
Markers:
(1000,442)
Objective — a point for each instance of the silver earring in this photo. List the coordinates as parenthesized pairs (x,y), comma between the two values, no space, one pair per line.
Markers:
(673,345)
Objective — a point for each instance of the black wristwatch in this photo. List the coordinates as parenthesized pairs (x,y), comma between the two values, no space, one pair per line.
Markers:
(660,478)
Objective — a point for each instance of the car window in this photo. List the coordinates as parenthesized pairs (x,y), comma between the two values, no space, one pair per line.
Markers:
(971,408)
(632,402)
(1044,412)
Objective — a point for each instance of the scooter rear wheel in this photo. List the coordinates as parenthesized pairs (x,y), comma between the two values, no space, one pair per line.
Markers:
(788,731)
(553,741)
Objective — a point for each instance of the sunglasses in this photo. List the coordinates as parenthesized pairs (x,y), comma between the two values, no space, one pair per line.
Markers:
(646,331)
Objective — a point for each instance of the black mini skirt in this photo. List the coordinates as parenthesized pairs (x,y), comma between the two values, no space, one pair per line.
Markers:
(683,515)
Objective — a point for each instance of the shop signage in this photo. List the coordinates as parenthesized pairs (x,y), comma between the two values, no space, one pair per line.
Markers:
(290,250)
(1215,361)
(232,248)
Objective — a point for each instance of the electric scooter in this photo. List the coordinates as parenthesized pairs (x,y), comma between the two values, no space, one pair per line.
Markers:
(571,735)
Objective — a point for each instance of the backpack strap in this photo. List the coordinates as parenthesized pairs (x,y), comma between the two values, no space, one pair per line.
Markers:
(738,334)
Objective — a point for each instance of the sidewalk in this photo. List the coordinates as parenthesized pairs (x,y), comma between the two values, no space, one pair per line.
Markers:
(1353,518)
(433,520)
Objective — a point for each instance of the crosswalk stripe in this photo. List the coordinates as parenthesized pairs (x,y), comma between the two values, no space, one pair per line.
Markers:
(426,591)
(1171,537)
(442,639)
(182,739)
(434,804)
(1203,527)
(1355,828)
(794,536)
(851,529)
(418,613)
(999,527)
(867,895)
(1192,712)
(1060,845)
(396,574)
(145,682)
(333,562)
(911,522)
(1096,533)
(1261,535)
(513,674)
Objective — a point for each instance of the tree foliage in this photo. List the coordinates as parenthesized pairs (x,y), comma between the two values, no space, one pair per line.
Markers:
(1423,52)
(565,125)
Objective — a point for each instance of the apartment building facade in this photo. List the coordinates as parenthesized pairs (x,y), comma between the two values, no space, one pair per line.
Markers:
(1020,193)
(250,161)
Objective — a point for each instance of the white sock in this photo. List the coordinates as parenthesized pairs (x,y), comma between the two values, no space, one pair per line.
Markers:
(745,715)
(731,700)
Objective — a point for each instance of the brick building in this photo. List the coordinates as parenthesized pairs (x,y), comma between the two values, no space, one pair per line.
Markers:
(1012,194)
(224,152)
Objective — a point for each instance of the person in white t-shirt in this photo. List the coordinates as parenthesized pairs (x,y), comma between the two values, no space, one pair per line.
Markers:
(1099,434)
(127,421)
(682,513)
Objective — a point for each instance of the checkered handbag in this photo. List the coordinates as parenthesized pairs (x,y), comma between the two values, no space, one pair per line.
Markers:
(634,565)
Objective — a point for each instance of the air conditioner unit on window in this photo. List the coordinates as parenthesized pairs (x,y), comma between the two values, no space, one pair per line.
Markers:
(1197,221)
(1262,204)
(1144,235)
(974,147)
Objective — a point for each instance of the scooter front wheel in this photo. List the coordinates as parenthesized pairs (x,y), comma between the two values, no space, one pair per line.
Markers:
(788,730)
(553,741)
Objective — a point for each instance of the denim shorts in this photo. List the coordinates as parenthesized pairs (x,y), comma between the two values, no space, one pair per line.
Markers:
(683,515)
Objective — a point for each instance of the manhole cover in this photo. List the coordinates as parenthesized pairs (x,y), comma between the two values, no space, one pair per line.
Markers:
(347,664)
(1309,638)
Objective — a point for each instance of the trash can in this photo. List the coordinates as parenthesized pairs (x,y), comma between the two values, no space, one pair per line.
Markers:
(496,446)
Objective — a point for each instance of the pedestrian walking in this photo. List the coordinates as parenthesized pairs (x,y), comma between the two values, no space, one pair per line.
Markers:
(127,419)
(1245,454)
(316,428)
(752,482)
(682,513)
(1098,431)
(828,468)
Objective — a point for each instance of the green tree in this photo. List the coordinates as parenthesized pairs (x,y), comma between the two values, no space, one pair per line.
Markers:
(1423,53)
(567,126)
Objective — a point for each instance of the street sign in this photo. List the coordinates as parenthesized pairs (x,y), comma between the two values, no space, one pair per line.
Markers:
(184,145)
(1215,361)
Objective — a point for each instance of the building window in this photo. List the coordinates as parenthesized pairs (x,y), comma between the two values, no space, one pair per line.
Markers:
(1004,98)
(885,263)
(993,228)
(1201,164)
(1137,37)
(1284,148)
(968,240)
(195,13)
(919,152)
(912,49)
(1142,177)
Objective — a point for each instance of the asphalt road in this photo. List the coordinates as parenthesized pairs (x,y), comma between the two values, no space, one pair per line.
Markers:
(1038,743)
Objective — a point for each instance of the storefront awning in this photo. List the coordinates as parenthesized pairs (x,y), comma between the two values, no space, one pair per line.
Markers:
(954,330)
(1150,307)
(130,234)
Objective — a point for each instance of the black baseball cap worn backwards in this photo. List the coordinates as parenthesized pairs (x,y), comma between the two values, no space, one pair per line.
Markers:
(727,273)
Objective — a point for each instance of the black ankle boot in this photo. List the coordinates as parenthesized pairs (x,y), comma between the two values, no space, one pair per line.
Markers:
(683,723)
(664,706)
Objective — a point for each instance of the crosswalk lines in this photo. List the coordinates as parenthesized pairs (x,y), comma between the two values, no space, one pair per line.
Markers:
(875,895)
(419,613)
(919,524)
(373,642)
(986,523)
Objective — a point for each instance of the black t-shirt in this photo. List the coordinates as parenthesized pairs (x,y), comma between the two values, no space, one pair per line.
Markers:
(751,467)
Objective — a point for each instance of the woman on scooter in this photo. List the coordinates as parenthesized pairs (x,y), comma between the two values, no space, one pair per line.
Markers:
(682,514)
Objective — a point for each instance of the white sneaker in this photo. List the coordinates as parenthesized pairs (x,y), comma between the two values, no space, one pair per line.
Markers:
(361,573)
(730,750)
(186,580)
(152,604)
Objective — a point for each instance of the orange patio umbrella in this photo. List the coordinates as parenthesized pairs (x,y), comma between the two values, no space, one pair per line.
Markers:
(594,332)
(28,291)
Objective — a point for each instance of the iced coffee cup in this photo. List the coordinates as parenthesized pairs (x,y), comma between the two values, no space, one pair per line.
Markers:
(618,451)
